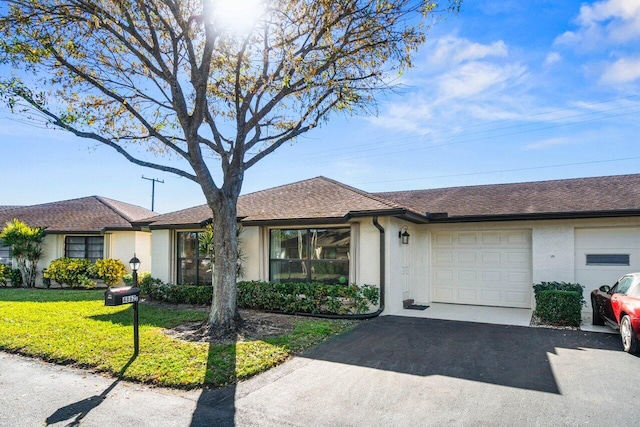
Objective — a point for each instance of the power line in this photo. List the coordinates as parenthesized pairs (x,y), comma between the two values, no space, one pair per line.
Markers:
(483,138)
(502,171)
(356,147)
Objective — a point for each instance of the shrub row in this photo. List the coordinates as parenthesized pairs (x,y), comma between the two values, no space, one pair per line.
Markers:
(559,307)
(312,298)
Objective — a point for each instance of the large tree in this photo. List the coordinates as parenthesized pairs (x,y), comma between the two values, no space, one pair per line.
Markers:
(178,77)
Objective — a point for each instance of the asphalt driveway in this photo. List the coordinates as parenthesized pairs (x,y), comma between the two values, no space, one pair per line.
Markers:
(390,371)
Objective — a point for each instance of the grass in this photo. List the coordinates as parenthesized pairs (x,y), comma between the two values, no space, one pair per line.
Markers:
(74,327)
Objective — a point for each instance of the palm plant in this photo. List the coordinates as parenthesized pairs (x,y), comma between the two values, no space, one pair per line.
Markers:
(26,248)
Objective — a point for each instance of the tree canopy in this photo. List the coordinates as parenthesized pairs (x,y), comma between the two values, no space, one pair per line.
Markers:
(172,77)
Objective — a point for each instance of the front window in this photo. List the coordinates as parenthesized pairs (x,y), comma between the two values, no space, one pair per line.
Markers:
(194,265)
(88,247)
(309,255)
(5,255)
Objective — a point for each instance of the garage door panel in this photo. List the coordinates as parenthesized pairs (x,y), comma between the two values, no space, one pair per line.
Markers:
(491,239)
(466,258)
(468,239)
(482,268)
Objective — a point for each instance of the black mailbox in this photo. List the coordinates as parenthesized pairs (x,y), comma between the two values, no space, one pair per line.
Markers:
(120,296)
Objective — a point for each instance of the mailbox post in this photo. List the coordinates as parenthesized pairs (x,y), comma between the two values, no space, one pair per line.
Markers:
(128,295)
(134,263)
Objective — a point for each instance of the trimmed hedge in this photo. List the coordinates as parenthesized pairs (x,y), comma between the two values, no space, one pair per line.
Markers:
(559,307)
(560,286)
(312,298)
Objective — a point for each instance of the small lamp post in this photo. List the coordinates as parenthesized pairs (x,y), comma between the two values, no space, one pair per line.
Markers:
(135,265)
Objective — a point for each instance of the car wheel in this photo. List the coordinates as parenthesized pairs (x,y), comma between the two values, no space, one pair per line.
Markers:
(629,339)
(596,319)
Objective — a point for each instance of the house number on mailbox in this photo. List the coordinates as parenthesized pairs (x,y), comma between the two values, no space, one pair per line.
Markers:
(129,299)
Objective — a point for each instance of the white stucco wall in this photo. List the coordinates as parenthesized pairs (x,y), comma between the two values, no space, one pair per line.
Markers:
(123,245)
(552,251)
(162,255)
(250,243)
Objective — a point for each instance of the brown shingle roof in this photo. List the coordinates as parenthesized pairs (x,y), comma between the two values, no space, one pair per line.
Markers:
(9,207)
(576,196)
(87,214)
(317,198)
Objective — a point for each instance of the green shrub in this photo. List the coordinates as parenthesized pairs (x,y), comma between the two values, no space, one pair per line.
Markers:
(110,270)
(73,272)
(16,277)
(560,286)
(313,298)
(3,277)
(558,307)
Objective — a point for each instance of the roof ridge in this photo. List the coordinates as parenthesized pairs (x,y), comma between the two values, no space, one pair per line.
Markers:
(502,184)
(371,196)
(106,201)
(375,197)
(278,186)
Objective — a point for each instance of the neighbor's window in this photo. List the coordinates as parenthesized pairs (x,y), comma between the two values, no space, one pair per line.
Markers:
(309,254)
(194,266)
(607,259)
(88,247)
(5,255)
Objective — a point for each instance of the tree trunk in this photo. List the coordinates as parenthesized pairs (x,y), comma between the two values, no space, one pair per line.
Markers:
(224,317)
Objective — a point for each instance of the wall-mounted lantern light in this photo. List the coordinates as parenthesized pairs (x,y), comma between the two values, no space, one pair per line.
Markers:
(403,235)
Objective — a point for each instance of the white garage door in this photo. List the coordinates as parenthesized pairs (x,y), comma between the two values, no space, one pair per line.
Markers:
(482,268)
(602,255)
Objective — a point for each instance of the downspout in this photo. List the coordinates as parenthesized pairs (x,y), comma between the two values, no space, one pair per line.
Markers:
(382,287)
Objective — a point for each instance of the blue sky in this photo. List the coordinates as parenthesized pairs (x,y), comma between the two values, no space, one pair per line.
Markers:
(506,91)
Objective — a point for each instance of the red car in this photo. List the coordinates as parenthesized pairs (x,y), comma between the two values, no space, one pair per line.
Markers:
(619,307)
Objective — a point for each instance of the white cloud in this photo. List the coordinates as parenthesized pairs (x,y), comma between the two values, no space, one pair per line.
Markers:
(624,70)
(608,22)
(452,50)
(547,143)
(475,77)
(552,58)
(456,78)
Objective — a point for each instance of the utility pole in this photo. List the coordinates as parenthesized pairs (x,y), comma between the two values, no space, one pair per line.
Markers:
(153,188)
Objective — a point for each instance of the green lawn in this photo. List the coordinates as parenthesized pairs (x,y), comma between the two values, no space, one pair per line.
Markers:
(74,327)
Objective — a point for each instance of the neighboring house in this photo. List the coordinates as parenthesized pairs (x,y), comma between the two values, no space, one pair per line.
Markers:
(477,245)
(90,227)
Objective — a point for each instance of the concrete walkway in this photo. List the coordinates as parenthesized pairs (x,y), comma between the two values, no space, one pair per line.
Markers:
(390,371)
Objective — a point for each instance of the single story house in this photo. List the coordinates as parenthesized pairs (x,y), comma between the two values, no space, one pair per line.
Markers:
(477,245)
(90,227)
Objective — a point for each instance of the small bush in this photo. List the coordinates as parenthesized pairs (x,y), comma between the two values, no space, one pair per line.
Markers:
(559,307)
(3,271)
(110,270)
(16,277)
(73,272)
(560,286)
